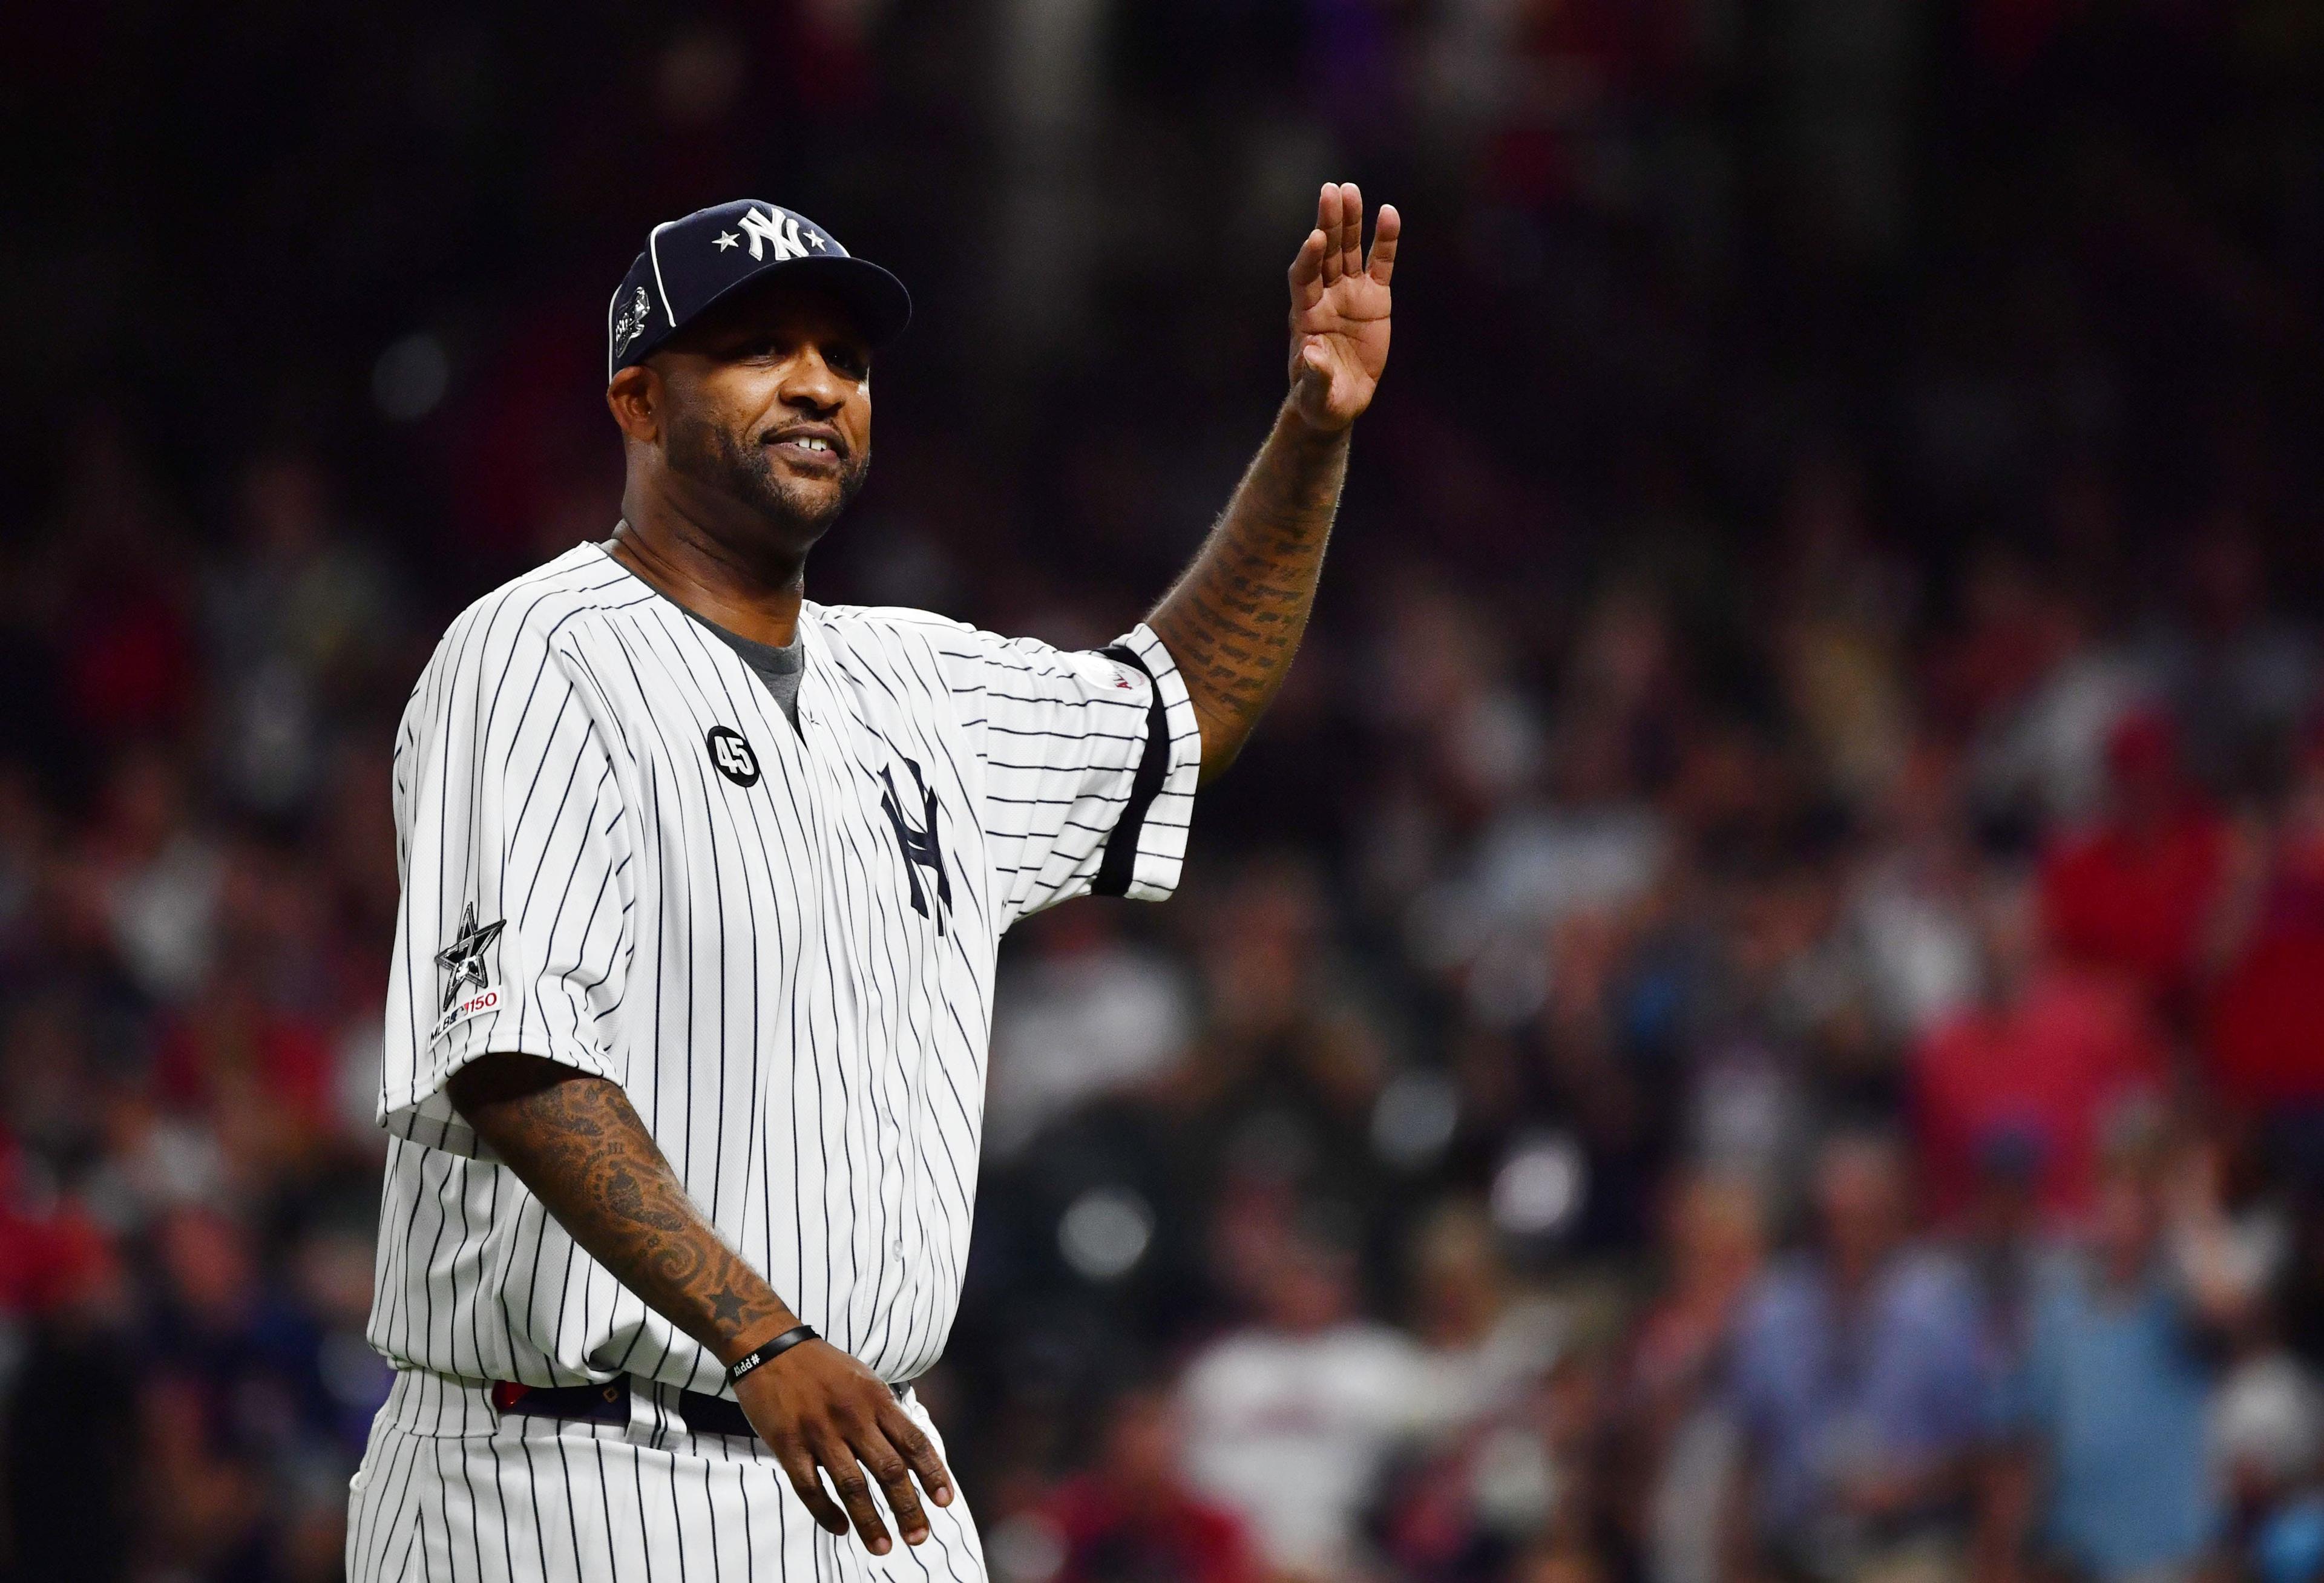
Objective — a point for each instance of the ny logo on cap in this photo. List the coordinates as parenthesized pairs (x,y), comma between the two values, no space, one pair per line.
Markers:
(780,231)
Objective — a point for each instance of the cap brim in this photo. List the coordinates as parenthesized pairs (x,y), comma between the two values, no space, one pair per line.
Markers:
(878,300)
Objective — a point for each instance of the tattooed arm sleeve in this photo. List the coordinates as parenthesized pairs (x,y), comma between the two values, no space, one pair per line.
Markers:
(1235,619)
(577,1143)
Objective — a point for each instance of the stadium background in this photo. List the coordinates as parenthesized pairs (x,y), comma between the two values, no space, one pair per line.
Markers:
(1819,659)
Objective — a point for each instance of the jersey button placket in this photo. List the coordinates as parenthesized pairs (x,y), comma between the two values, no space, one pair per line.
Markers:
(825,750)
(839,984)
(892,1189)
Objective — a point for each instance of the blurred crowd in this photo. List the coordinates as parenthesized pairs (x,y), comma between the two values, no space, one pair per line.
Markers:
(1755,1013)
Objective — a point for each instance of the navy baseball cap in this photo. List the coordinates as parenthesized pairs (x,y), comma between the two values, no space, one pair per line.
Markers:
(689,264)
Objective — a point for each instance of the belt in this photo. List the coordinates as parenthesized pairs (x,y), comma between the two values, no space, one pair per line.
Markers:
(610,1403)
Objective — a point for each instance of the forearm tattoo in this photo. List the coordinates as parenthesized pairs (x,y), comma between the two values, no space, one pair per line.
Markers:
(1235,619)
(578,1143)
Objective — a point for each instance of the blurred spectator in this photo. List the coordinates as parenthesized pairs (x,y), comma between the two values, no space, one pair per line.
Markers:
(1482,1338)
(1859,1381)
(301,610)
(244,1435)
(1682,1441)
(1090,1014)
(2266,1041)
(1839,643)
(1595,847)
(2239,676)
(2267,1432)
(1131,1515)
(2040,757)
(2137,891)
(2112,1399)
(1289,1421)
(76,1492)
(1286,1080)
(2036,1064)
(158,874)
(2005,1238)
(1526,1481)
(1912,901)
(125,639)
(2011,631)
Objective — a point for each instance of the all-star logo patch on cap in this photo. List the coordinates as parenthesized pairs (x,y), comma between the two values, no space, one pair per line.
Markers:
(691,263)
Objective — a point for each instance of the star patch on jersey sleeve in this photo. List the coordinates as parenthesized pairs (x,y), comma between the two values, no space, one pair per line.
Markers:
(464,958)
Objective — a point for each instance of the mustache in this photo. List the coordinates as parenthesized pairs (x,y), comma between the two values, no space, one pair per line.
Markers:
(807,429)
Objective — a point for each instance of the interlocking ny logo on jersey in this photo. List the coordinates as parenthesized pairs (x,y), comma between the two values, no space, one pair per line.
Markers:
(919,846)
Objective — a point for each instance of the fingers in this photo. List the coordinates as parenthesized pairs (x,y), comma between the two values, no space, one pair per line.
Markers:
(836,1430)
(838,1459)
(1307,272)
(800,1468)
(1351,229)
(1335,250)
(1310,379)
(893,1451)
(1328,221)
(895,1479)
(927,1466)
(1385,231)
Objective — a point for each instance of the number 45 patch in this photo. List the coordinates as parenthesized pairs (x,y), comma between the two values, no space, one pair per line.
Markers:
(732,756)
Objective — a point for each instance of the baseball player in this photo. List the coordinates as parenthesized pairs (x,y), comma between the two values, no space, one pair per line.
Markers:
(703,884)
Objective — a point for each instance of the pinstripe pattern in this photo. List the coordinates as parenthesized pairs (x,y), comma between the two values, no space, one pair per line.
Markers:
(805,1041)
(493,1497)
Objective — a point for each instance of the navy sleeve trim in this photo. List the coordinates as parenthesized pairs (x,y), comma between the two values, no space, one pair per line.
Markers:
(1115,869)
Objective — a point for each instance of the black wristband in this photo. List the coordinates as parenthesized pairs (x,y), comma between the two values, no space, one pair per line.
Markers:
(767,1352)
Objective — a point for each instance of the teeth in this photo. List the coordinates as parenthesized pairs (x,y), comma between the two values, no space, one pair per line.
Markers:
(812,444)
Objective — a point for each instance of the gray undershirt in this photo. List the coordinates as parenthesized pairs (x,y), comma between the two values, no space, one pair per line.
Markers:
(779,668)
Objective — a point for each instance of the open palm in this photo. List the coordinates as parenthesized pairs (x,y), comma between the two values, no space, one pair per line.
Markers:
(1339,308)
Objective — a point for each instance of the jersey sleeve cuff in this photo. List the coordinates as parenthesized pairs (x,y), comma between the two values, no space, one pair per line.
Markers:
(1161,853)
(421,1110)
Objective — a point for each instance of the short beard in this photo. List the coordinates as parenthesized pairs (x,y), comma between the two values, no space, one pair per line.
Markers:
(707,454)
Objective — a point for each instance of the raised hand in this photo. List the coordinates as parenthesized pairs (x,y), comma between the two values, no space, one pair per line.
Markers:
(1339,309)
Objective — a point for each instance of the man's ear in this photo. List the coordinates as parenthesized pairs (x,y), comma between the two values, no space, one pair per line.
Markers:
(635,398)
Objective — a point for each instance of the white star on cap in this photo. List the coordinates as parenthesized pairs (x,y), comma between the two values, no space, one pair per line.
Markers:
(728,239)
(813,240)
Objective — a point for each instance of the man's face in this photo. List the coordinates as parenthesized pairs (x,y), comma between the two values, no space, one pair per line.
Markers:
(1310,1289)
(1860,1200)
(769,403)
(2127,1221)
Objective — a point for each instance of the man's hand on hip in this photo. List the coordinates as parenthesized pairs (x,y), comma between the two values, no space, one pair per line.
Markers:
(822,1412)
(577,1143)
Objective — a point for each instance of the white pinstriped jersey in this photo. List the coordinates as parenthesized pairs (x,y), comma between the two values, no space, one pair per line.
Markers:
(617,853)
